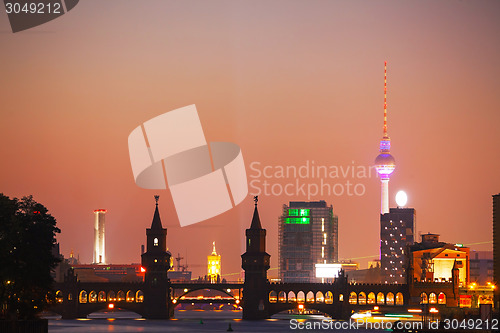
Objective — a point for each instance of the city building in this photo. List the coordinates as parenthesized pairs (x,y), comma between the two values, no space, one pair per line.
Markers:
(481,267)
(99,236)
(385,163)
(496,249)
(214,266)
(308,235)
(349,265)
(397,230)
(433,261)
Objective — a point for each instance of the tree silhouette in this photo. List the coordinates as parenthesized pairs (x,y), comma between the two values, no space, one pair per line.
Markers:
(27,237)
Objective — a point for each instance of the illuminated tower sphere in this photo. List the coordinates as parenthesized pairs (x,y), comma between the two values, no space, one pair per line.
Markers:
(385,163)
(214,266)
(99,257)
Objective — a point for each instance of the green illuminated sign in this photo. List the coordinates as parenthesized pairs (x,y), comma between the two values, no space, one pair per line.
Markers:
(299,212)
(297,220)
(304,212)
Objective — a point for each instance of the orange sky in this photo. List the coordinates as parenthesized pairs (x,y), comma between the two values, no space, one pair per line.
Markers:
(289,82)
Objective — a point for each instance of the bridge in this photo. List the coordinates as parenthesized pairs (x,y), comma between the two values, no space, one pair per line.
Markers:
(156,296)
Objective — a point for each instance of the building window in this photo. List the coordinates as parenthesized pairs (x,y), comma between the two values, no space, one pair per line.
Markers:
(155,241)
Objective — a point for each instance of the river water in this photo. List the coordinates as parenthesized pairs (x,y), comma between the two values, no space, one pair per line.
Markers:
(188,321)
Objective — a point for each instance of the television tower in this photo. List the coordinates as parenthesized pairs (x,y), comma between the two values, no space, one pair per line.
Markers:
(385,163)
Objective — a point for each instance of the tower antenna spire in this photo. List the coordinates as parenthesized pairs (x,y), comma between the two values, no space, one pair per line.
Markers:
(385,99)
(385,163)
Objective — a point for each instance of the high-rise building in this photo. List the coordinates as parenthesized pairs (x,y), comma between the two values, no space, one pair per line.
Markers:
(213,264)
(496,248)
(99,257)
(385,163)
(397,231)
(308,235)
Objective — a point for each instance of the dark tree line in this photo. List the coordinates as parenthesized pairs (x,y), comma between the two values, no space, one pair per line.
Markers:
(27,238)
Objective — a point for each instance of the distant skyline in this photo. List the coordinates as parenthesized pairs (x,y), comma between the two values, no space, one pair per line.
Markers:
(287,81)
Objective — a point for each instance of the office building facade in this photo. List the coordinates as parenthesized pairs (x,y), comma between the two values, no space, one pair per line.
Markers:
(308,235)
(397,230)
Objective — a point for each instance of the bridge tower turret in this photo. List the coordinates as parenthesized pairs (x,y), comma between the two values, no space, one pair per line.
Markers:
(255,263)
(156,262)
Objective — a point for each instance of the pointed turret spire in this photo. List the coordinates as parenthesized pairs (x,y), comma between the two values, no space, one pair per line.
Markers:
(214,252)
(256,219)
(156,224)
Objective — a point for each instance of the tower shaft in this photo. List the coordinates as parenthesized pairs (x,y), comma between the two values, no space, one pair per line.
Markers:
(384,202)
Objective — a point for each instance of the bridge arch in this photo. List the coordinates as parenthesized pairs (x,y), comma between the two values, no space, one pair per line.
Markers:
(423,298)
(353,298)
(139,296)
(111,296)
(130,296)
(83,297)
(399,299)
(101,297)
(120,296)
(362,298)
(59,296)
(291,297)
(432,298)
(273,296)
(389,299)
(370,299)
(380,298)
(310,297)
(195,287)
(442,298)
(93,297)
(329,297)
(320,298)
(282,297)
(301,297)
